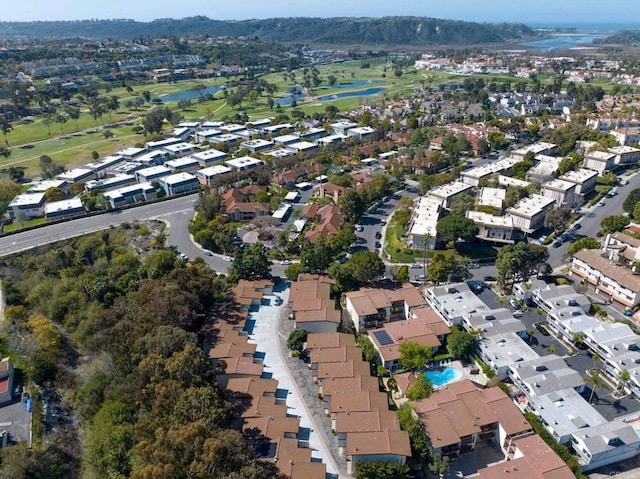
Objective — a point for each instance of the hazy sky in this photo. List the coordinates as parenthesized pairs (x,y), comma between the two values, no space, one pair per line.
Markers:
(538,12)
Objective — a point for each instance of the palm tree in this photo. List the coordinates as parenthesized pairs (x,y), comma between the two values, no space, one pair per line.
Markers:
(596,359)
(596,383)
(623,377)
(577,339)
(531,332)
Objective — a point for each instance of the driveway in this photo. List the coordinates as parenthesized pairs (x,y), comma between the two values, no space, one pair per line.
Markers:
(265,334)
(16,420)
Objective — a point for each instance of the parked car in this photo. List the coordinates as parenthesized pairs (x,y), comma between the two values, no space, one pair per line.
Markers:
(228,259)
(278,301)
(542,330)
(421,277)
(208,253)
(416,266)
(378,244)
(183,257)
(490,278)
(378,235)
(475,286)
(359,228)
(285,262)
(515,304)
(601,203)
(474,266)
(577,226)
(383,222)
(624,182)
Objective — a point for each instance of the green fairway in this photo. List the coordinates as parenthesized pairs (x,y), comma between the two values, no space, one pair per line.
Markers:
(73,142)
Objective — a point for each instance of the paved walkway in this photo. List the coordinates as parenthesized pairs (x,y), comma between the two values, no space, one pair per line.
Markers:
(270,341)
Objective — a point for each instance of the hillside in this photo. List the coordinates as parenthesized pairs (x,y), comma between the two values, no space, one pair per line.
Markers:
(339,31)
(628,37)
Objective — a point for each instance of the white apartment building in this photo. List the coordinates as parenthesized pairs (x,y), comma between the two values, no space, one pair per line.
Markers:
(528,214)
(562,192)
(584,179)
(446,193)
(600,161)
(499,229)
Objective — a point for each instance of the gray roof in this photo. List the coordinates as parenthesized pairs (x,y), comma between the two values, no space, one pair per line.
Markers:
(604,437)
(547,374)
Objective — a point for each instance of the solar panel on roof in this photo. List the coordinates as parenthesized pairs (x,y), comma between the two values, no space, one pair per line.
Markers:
(383,338)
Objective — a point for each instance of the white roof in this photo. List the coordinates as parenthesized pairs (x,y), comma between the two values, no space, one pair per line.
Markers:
(243,162)
(55,206)
(256,143)
(558,185)
(600,155)
(105,162)
(27,199)
(213,171)
(153,170)
(184,161)
(302,145)
(179,147)
(535,148)
(144,186)
(486,219)
(492,197)
(131,151)
(508,181)
(73,175)
(280,153)
(531,205)
(578,176)
(623,149)
(291,138)
(177,178)
(42,186)
(450,189)
(292,195)
(425,219)
(209,154)
(490,168)
(162,143)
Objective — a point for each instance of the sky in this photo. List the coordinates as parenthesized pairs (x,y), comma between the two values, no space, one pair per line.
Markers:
(531,12)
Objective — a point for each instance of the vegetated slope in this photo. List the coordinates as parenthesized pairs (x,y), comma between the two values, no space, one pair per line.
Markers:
(372,31)
(627,37)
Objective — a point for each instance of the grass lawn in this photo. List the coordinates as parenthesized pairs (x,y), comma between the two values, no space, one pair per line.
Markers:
(18,225)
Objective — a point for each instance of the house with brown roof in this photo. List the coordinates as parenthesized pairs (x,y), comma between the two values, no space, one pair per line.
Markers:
(372,307)
(328,221)
(459,417)
(389,445)
(363,421)
(312,307)
(605,276)
(329,340)
(6,381)
(531,458)
(332,191)
(239,204)
(426,328)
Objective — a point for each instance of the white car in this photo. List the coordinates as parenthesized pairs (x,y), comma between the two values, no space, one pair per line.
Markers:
(228,259)
(416,266)
(285,262)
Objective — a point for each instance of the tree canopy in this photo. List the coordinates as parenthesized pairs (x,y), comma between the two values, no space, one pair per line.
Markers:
(455,227)
(518,262)
(583,243)
(612,224)
(413,355)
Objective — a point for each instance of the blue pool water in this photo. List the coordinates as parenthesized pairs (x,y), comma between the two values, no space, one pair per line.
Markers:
(368,91)
(637,431)
(441,376)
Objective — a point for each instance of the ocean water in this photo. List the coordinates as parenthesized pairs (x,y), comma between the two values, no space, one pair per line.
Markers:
(564,40)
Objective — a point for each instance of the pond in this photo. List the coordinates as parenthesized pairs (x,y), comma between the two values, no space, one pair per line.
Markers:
(354,84)
(366,92)
(191,94)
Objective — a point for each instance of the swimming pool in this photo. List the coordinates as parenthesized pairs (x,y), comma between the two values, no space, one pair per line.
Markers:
(441,376)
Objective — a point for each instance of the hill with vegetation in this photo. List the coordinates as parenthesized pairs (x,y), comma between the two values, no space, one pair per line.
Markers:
(339,31)
(627,37)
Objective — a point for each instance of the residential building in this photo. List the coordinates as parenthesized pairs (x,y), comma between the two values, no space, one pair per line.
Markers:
(179,183)
(539,148)
(329,221)
(500,351)
(161,144)
(77,175)
(446,193)
(43,186)
(302,147)
(102,167)
(424,327)
(622,248)
(474,176)
(498,229)
(424,219)
(65,209)
(493,197)
(529,213)
(507,181)
(147,175)
(600,161)
(210,135)
(209,157)
(312,306)
(360,132)
(244,163)
(584,179)
(605,444)
(606,277)
(131,194)
(342,127)
(27,206)
(544,169)
(372,307)
(460,417)
(6,381)
(206,175)
(186,164)
(240,203)
(390,445)
(455,302)
(153,158)
(107,184)
(563,192)
(625,155)
(331,139)
(626,136)
(256,145)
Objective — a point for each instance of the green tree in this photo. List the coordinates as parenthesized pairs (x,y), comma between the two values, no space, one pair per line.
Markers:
(365,267)
(557,218)
(296,339)
(460,343)
(631,201)
(54,194)
(413,355)
(455,227)
(440,267)
(251,263)
(369,351)
(293,271)
(439,464)
(519,262)
(316,257)
(160,263)
(380,469)
(623,378)
(461,204)
(403,274)
(352,205)
(612,224)
(420,443)
(49,168)
(583,243)
(5,127)
(422,388)
(595,382)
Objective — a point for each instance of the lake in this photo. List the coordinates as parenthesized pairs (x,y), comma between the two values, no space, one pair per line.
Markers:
(366,92)
(566,40)
(191,94)
(354,84)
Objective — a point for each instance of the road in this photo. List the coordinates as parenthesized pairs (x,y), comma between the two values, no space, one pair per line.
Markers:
(590,222)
